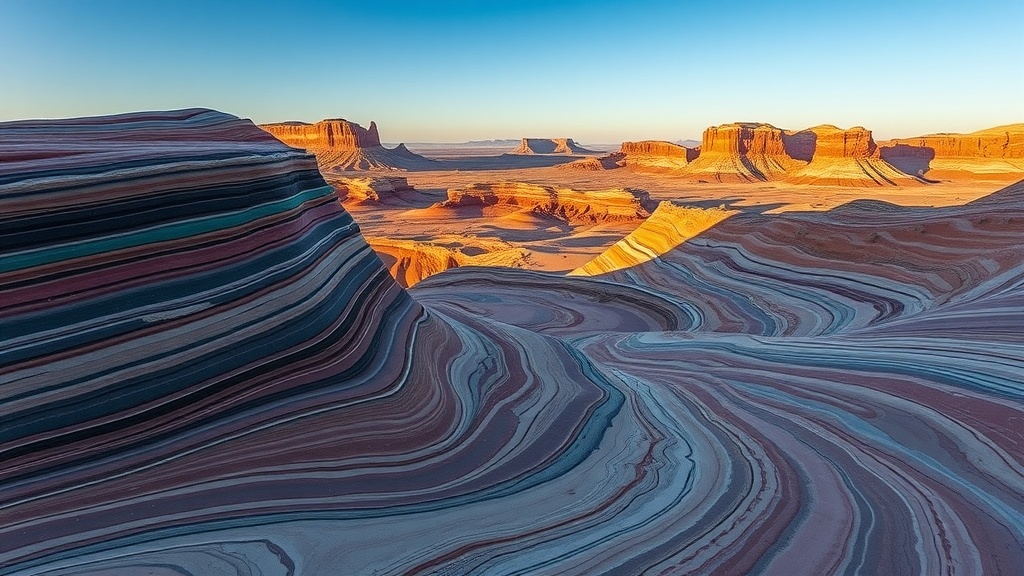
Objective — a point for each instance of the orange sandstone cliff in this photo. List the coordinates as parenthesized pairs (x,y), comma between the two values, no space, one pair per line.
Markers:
(340,145)
(996,152)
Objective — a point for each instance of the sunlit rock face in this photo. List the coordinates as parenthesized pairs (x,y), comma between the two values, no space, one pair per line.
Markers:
(340,146)
(994,152)
(204,369)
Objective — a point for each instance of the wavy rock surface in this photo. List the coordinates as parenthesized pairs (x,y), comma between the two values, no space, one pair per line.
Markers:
(340,145)
(667,227)
(230,382)
(550,146)
(997,151)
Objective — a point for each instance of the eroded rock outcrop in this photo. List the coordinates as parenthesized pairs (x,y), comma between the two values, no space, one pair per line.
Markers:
(847,158)
(566,204)
(997,152)
(376,189)
(340,145)
(742,152)
(550,146)
(410,261)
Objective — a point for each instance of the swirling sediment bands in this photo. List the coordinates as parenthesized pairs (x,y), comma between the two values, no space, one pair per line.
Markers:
(205,370)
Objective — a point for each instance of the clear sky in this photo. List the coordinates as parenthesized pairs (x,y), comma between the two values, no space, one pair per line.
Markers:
(598,71)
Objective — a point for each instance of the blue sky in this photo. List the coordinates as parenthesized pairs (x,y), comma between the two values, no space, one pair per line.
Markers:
(598,71)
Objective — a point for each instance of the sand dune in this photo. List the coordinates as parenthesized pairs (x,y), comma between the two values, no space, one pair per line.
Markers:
(231,382)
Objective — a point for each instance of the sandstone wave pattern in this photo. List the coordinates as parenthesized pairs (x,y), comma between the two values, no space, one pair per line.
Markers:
(340,146)
(229,381)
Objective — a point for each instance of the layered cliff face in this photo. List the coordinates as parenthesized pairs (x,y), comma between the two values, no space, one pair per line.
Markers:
(655,156)
(571,206)
(340,145)
(205,370)
(339,134)
(847,158)
(550,146)
(996,152)
(745,152)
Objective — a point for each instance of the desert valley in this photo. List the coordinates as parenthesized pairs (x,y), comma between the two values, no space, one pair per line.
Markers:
(655,288)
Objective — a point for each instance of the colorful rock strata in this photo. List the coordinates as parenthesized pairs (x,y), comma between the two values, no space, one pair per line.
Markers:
(204,369)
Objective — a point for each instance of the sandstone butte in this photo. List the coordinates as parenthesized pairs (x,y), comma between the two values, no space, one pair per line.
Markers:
(340,145)
(823,155)
(997,152)
(566,146)
(566,204)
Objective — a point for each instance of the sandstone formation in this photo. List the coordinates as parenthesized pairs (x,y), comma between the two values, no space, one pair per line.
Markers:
(340,145)
(205,369)
(655,156)
(565,204)
(374,189)
(668,227)
(745,152)
(411,261)
(993,152)
(550,146)
(847,158)
(595,163)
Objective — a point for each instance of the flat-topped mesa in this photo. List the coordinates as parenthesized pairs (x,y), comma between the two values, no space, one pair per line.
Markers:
(652,156)
(658,148)
(745,151)
(342,146)
(337,133)
(998,142)
(847,158)
(550,146)
(833,142)
(997,152)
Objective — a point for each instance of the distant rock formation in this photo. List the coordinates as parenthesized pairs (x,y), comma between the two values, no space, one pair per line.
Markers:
(758,152)
(743,152)
(847,158)
(340,145)
(550,146)
(997,152)
(595,163)
(566,204)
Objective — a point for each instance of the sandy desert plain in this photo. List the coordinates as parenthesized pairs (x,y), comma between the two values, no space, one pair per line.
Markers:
(780,351)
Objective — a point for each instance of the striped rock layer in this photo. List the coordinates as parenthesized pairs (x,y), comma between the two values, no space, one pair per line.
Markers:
(205,370)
